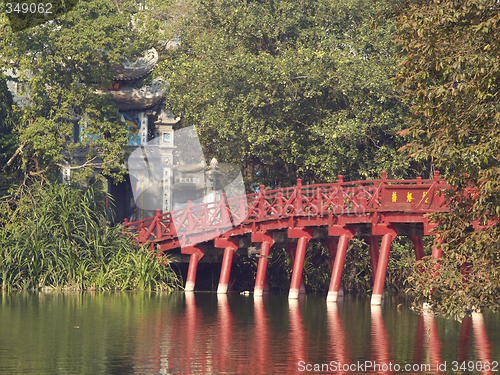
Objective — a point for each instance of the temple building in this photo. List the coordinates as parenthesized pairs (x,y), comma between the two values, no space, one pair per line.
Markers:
(143,108)
(144,111)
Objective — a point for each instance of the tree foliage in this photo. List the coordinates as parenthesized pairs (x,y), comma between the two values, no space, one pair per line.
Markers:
(60,66)
(7,141)
(451,77)
(290,89)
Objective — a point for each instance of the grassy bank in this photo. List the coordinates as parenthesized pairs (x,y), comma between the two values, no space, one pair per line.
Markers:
(57,236)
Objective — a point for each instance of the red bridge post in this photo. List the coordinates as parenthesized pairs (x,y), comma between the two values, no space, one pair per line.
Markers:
(374,254)
(331,244)
(191,276)
(230,246)
(437,251)
(267,242)
(418,245)
(291,249)
(196,255)
(335,281)
(298,265)
(378,284)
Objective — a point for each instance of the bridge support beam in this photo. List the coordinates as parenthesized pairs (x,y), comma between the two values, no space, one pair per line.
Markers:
(298,266)
(298,263)
(291,249)
(378,285)
(225,270)
(338,265)
(437,251)
(331,244)
(267,287)
(196,255)
(418,246)
(230,246)
(374,254)
(191,276)
(267,242)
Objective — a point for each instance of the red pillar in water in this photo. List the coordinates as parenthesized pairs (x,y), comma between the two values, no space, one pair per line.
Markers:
(225,326)
(434,344)
(297,336)
(267,242)
(418,246)
(303,235)
(261,341)
(196,255)
(297,268)
(380,340)
(374,254)
(378,284)
(331,244)
(230,246)
(338,265)
(291,249)
(437,252)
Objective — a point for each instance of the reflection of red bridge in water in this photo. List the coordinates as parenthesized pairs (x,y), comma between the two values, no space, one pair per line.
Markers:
(213,340)
(334,213)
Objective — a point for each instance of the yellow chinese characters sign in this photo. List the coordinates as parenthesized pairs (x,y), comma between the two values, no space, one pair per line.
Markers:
(409,196)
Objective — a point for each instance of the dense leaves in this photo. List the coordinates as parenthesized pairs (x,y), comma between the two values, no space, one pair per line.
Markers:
(451,76)
(61,70)
(290,89)
(57,236)
(7,140)
(284,89)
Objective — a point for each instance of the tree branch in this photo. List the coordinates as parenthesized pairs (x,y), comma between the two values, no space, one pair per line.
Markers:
(19,149)
(87,164)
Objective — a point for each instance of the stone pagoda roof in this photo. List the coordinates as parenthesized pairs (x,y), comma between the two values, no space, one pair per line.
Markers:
(131,98)
(125,93)
(138,69)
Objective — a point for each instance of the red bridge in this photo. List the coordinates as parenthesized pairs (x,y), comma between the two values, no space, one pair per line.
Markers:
(333,213)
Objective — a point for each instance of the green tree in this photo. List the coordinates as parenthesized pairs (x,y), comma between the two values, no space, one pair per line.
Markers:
(451,76)
(5,119)
(7,139)
(60,66)
(290,89)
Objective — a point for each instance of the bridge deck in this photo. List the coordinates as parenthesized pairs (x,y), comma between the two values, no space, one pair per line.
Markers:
(333,212)
(374,202)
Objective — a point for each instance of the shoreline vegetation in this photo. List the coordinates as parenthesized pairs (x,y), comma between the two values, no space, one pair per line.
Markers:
(57,237)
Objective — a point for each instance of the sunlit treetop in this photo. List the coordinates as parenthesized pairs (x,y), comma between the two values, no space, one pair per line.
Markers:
(60,64)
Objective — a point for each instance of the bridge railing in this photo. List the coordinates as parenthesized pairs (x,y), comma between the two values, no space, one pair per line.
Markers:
(340,198)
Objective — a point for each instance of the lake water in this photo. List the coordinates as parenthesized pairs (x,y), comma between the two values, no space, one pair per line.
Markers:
(202,333)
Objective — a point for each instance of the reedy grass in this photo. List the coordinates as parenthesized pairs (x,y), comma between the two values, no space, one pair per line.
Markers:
(57,236)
